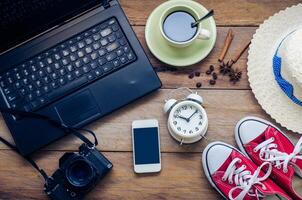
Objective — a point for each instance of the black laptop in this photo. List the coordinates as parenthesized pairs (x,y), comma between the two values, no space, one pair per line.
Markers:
(72,60)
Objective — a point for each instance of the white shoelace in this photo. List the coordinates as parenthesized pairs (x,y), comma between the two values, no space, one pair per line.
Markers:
(269,153)
(244,180)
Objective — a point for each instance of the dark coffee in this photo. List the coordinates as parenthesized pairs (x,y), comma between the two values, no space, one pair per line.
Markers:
(177,26)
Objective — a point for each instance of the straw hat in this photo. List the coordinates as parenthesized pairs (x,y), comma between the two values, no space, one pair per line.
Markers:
(275,67)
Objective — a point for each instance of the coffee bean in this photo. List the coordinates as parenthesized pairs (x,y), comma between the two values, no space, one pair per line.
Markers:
(191,76)
(208,72)
(198,85)
(211,68)
(212,82)
(214,75)
(197,74)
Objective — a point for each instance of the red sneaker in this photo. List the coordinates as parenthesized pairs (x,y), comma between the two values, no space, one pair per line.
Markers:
(263,142)
(235,176)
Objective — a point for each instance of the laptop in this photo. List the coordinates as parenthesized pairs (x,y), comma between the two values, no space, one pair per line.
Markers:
(72,60)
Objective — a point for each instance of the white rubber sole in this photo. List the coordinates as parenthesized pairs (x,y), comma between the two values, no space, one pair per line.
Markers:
(205,166)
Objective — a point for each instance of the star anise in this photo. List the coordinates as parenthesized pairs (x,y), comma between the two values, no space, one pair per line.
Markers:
(235,75)
(225,68)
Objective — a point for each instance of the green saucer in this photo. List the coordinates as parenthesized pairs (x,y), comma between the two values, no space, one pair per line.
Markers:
(174,56)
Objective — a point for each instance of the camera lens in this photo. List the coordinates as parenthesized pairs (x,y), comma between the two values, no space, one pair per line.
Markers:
(80,173)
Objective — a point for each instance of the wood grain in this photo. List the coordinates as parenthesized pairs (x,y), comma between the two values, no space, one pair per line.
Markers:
(227,13)
(224,108)
(181,178)
(180,78)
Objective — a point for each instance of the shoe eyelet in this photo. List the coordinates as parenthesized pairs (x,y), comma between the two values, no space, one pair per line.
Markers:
(230,182)
(244,166)
(223,179)
(272,138)
(255,150)
(239,160)
(285,171)
(276,145)
(278,167)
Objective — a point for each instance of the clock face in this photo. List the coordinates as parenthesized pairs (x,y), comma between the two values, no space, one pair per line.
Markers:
(187,119)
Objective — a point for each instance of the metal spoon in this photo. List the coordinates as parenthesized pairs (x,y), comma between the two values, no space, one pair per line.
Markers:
(209,14)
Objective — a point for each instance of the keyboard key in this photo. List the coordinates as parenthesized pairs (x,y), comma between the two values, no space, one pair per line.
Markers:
(130,56)
(91,76)
(119,52)
(70,68)
(80,54)
(102,61)
(55,84)
(38,93)
(73,58)
(86,60)
(46,89)
(116,63)
(106,32)
(115,28)
(78,63)
(96,46)
(65,53)
(112,47)
(93,65)
(123,59)
(88,41)
(46,79)
(104,42)
(94,56)
(111,56)
(57,66)
(126,49)
(122,41)
(86,69)
(111,38)
(73,49)
(81,45)
(12,96)
(70,77)
(96,37)
(102,52)
(62,72)
(62,81)
(108,67)
(98,72)
(88,49)
(112,21)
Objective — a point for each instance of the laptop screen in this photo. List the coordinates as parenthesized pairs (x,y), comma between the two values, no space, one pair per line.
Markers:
(22,19)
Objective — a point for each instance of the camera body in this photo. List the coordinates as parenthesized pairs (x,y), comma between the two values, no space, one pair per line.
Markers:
(78,173)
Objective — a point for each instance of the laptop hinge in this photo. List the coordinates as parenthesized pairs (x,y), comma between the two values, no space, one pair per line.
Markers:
(105,3)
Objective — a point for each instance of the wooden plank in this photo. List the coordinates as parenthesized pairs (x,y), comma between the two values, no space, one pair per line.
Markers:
(227,13)
(180,78)
(181,178)
(224,108)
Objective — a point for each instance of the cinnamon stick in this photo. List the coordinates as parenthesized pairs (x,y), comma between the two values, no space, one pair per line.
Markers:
(239,54)
(227,42)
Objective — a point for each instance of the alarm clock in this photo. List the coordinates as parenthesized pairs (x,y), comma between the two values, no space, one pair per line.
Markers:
(187,120)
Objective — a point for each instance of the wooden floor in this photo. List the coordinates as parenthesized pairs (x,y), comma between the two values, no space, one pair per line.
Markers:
(182,175)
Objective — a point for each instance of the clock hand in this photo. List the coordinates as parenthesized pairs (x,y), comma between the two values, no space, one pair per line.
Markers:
(181,117)
(192,115)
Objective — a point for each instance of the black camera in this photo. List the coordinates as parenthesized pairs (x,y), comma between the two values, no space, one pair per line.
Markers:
(78,173)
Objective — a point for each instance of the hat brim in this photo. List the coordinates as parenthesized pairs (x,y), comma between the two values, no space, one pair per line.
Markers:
(262,81)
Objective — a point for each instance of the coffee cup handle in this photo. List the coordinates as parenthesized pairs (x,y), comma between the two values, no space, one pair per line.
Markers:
(204,34)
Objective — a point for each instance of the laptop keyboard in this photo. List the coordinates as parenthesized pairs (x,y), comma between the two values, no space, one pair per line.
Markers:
(66,67)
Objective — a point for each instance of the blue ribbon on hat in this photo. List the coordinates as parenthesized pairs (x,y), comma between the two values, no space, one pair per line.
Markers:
(286,87)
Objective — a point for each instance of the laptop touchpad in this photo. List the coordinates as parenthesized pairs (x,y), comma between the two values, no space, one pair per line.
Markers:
(78,109)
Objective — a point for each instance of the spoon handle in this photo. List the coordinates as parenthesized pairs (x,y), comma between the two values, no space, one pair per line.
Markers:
(209,14)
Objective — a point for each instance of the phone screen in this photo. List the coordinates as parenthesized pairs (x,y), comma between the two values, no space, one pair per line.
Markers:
(146,145)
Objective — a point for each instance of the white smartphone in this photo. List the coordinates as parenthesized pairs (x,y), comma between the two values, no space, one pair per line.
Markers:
(146,146)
